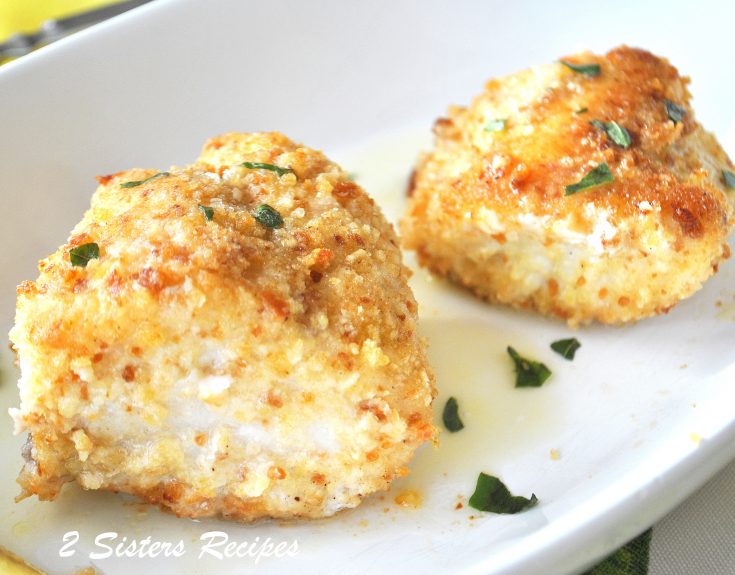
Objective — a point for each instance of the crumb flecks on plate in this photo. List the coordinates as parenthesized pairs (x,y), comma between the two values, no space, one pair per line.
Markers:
(409,498)
(490,208)
(226,365)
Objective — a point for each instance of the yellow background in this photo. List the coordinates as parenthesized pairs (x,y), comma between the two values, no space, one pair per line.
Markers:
(28,15)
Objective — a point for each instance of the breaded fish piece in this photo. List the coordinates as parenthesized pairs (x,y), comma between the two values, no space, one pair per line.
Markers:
(218,357)
(495,208)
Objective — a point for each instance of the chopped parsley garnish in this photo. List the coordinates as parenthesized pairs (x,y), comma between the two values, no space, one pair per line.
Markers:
(80,255)
(675,112)
(450,416)
(589,70)
(729,178)
(268,216)
(528,373)
(497,125)
(614,131)
(136,183)
(566,347)
(582,110)
(492,495)
(596,177)
(207,211)
(261,166)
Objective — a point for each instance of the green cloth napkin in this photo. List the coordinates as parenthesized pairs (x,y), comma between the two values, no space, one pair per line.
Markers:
(631,559)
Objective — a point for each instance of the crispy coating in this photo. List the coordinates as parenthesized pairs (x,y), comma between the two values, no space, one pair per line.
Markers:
(488,208)
(223,367)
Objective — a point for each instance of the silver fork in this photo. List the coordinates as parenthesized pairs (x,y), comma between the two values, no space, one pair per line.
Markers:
(51,30)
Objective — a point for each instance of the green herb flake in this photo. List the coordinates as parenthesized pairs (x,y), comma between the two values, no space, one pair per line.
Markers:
(598,124)
(136,183)
(268,216)
(81,255)
(450,416)
(207,211)
(596,177)
(589,70)
(261,166)
(566,347)
(729,178)
(492,495)
(582,110)
(675,112)
(528,373)
(617,133)
(497,125)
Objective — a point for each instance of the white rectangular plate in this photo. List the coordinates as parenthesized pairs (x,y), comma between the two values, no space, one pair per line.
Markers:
(642,416)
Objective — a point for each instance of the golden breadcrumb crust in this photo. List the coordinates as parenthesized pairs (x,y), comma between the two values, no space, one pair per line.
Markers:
(488,208)
(224,367)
